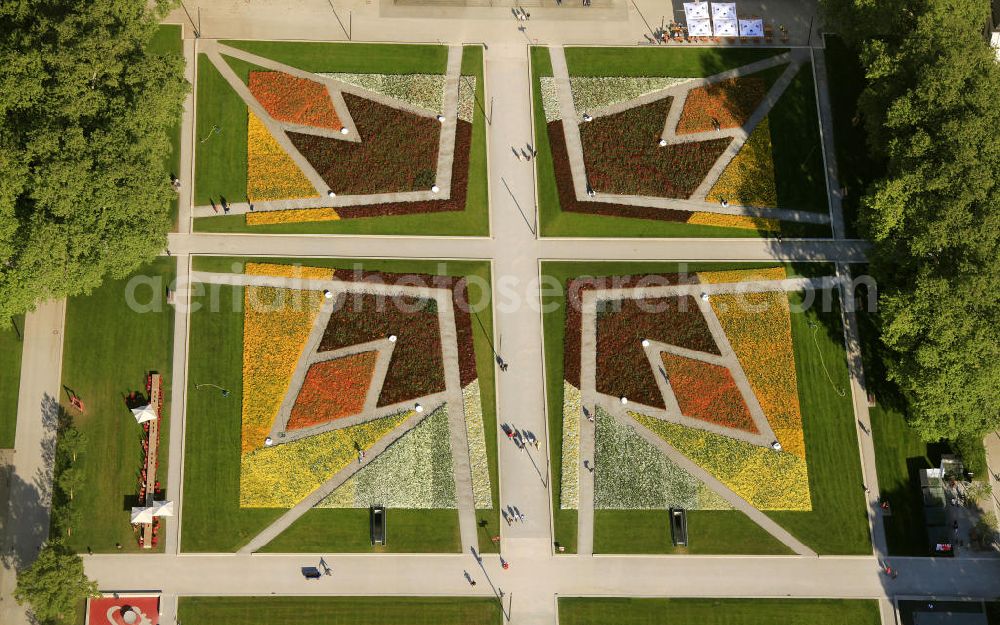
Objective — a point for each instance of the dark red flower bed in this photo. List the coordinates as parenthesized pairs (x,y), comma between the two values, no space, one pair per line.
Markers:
(398,151)
(459,187)
(622,154)
(574,290)
(567,195)
(361,313)
(622,366)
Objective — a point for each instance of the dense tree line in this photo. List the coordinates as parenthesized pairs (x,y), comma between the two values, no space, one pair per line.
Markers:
(930,109)
(84,113)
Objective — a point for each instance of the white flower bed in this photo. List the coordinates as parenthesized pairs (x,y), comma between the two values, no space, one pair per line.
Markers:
(413,472)
(466,98)
(550,98)
(473,405)
(593,93)
(569,498)
(632,474)
(425,91)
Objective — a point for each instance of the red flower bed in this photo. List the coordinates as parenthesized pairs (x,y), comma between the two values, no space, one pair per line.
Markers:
(731,102)
(623,156)
(622,366)
(333,389)
(567,194)
(707,392)
(416,368)
(398,151)
(295,100)
(459,187)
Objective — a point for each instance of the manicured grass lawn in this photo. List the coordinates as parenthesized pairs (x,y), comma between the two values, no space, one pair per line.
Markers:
(581,611)
(108,350)
(167,40)
(212,456)
(10,378)
(709,532)
(222,164)
(339,610)
(855,166)
(794,128)
(837,523)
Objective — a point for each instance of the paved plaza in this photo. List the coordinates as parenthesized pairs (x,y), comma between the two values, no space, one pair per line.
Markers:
(538,574)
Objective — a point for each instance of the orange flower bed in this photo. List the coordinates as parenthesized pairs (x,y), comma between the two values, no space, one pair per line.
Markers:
(730,101)
(295,100)
(707,392)
(332,390)
(294,215)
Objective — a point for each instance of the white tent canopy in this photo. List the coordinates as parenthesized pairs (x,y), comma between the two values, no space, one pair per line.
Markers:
(724,10)
(700,28)
(163,508)
(142,515)
(752,28)
(725,28)
(144,413)
(695,11)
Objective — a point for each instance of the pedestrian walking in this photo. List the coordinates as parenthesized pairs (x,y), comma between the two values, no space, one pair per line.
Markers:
(517,154)
(865,486)
(521,515)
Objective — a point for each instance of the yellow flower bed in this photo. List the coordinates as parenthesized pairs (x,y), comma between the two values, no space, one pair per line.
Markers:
(766,479)
(288,271)
(271,173)
(759,328)
(274,336)
(296,215)
(749,177)
(761,224)
(283,475)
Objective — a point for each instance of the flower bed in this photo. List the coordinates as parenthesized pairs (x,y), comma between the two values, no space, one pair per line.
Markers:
(332,390)
(761,224)
(271,173)
(276,326)
(288,271)
(591,93)
(748,180)
(283,475)
(766,479)
(472,405)
(424,91)
(294,100)
(730,102)
(398,151)
(622,366)
(707,392)
(569,493)
(413,472)
(758,326)
(297,215)
(622,154)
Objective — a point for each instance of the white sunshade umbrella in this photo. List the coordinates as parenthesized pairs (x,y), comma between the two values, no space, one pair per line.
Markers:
(725,28)
(163,508)
(724,10)
(700,28)
(752,28)
(143,414)
(696,11)
(142,515)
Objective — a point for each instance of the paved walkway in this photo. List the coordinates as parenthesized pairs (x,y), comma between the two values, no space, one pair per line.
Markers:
(26,526)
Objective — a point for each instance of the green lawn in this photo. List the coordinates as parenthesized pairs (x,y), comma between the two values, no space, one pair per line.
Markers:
(837,523)
(108,350)
(211,479)
(167,40)
(222,163)
(587,611)
(798,162)
(10,378)
(855,165)
(338,610)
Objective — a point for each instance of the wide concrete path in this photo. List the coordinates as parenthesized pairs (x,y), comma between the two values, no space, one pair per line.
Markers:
(27,522)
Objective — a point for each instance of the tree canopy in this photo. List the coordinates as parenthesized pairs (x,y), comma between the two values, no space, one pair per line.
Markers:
(54,584)
(930,111)
(84,113)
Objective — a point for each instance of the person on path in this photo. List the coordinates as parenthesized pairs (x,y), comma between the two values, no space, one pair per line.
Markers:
(517,155)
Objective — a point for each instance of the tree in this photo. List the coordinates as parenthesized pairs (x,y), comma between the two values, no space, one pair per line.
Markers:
(930,113)
(54,584)
(84,113)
